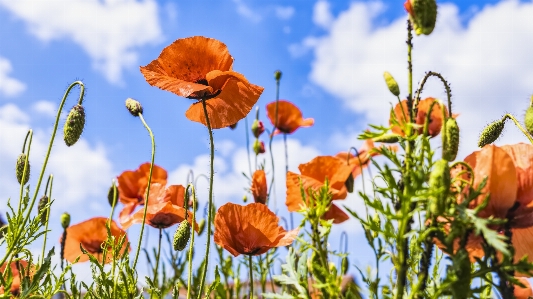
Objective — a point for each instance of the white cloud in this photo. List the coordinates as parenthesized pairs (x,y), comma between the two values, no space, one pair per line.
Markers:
(109,31)
(244,10)
(322,15)
(486,62)
(45,108)
(284,12)
(9,87)
(300,49)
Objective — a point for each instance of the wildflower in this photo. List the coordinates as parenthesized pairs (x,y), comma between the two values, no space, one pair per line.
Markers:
(361,161)
(435,120)
(252,229)
(91,235)
(289,117)
(201,68)
(313,175)
(259,186)
(15,285)
(523,293)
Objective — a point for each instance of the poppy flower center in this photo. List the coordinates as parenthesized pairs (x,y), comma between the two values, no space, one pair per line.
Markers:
(202,81)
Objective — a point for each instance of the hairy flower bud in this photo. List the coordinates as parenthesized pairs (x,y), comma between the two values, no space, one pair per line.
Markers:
(19,171)
(439,185)
(451,131)
(259,147)
(491,132)
(277,75)
(528,120)
(65,220)
(423,15)
(134,107)
(257,128)
(74,125)
(391,84)
(349,183)
(387,138)
(113,191)
(182,236)
(345,264)
(42,209)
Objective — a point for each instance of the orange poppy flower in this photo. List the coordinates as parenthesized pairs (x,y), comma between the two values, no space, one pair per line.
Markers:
(523,293)
(250,230)
(199,67)
(435,120)
(362,160)
(259,186)
(91,234)
(289,117)
(15,285)
(313,176)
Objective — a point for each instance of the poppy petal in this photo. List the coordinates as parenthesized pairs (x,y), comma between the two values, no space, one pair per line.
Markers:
(336,214)
(332,168)
(523,293)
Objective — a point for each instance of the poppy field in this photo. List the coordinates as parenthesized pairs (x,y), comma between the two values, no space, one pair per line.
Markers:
(437,226)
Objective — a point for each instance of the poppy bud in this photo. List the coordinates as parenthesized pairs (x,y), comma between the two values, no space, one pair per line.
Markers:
(65,220)
(277,75)
(391,84)
(245,198)
(74,125)
(259,147)
(387,138)
(19,171)
(42,210)
(257,128)
(332,268)
(423,15)
(349,183)
(528,120)
(491,132)
(439,184)
(344,265)
(449,150)
(111,195)
(134,107)
(201,226)
(233,126)
(182,236)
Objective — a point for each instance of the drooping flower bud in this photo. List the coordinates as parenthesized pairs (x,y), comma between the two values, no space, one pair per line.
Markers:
(439,185)
(259,147)
(491,132)
(113,191)
(387,138)
(182,236)
(450,149)
(74,125)
(42,209)
(277,75)
(344,265)
(257,128)
(19,171)
(423,15)
(391,84)
(65,220)
(201,226)
(349,183)
(134,107)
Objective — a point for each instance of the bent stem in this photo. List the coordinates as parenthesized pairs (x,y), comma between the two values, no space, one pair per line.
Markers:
(210,208)
(48,183)
(517,123)
(147,189)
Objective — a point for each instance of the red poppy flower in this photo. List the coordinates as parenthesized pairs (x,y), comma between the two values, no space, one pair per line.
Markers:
(523,293)
(15,285)
(250,230)
(200,67)
(362,160)
(313,176)
(289,117)
(91,234)
(435,120)
(259,186)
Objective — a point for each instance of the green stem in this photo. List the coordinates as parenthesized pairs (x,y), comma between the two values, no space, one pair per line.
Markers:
(270,147)
(156,271)
(444,82)
(517,123)
(50,181)
(192,239)
(251,277)
(114,203)
(147,189)
(210,207)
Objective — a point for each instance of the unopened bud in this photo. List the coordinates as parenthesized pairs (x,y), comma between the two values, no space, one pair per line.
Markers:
(345,264)
(74,125)
(439,185)
(423,15)
(491,132)
(332,268)
(182,236)
(65,220)
(134,107)
(450,149)
(528,120)
(391,84)
(257,128)
(349,183)
(112,195)
(42,209)
(277,75)
(259,147)
(245,198)
(19,171)
(387,138)
(201,226)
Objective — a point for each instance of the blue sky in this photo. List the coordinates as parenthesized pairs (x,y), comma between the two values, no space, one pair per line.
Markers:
(332,55)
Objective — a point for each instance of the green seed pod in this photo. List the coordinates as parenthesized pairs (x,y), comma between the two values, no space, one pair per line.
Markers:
(277,75)
(74,125)
(134,107)
(65,220)
(201,226)
(19,171)
(349,183)
(387,138)
(41,208)
(439,184)
(182,236)
(450,149)
(111,195)
(528,120)
(344,265)
(391,84)
(491,132)
(423,14)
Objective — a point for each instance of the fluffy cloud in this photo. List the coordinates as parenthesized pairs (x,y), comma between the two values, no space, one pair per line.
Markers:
(485,61)
(45,108)
(245,11)
(9,87)
(284,12)
(109,31)
(322,14)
